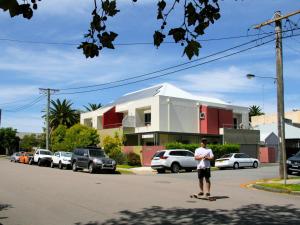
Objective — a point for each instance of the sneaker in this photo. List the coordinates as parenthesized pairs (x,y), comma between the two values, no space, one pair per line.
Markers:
(207,194)
(200,194)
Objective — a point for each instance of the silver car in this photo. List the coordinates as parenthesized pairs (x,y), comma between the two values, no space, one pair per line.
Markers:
(236,160)
(15,157)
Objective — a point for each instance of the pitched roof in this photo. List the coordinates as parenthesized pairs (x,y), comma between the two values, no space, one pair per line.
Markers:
(291,132)
(165,89)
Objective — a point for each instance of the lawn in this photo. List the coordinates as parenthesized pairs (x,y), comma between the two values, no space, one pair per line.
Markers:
(126,166)
(288,187)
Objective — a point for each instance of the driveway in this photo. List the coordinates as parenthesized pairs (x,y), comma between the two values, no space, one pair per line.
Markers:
(30,195)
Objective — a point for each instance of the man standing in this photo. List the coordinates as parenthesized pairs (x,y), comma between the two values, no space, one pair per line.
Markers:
(203,155)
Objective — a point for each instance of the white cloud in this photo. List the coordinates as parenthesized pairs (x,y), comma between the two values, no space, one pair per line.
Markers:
(231,80)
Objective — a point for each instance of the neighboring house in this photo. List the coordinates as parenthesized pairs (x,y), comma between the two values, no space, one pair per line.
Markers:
(293,117)
(164,113)
(269,137)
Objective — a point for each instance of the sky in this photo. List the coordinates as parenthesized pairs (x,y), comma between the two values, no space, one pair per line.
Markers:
(25,67)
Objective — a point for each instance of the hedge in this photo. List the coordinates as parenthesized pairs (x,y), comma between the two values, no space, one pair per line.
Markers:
(218,149)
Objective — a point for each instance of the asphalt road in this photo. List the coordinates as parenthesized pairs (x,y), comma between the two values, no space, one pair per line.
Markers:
(31,195)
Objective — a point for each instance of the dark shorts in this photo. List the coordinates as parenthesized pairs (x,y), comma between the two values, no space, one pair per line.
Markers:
(204,173)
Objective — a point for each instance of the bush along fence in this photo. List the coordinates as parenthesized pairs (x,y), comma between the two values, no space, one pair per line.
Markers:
(146,152)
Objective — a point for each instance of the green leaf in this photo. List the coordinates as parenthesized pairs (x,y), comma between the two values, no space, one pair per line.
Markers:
(158,38)
(192,49)
(161,5)
(178,34)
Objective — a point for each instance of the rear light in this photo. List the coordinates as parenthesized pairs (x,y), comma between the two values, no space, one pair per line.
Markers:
(164,157)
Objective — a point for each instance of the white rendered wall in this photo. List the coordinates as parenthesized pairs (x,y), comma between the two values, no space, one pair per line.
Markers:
(178,115)
(132,108)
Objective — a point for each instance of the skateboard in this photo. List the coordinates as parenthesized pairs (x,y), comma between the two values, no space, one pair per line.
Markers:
(210,198)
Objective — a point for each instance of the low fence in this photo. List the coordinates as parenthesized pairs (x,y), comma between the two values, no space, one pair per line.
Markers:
(145,152)
(267,155)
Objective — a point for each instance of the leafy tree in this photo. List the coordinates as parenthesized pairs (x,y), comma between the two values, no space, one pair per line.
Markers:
(61,113)
(112,147)
(9,141)
(77,136)
(58,138)
(255,110)
(32,140)
(92,107)
(198,15)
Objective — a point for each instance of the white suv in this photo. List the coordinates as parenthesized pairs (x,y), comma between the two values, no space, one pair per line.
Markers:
(42,156)
(174,160)
(61,159)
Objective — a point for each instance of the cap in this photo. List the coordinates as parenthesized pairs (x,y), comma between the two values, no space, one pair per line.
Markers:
(203,140)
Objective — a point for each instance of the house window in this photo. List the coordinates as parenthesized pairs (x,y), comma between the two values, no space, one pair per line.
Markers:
(147,119)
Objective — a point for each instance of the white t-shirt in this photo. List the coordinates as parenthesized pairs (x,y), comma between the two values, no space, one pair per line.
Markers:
(203,163)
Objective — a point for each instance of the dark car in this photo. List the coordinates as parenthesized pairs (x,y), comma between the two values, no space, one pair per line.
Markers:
(293,164)
(92,159)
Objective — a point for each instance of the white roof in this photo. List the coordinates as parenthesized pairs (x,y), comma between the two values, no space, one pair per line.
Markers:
(169,90)
(291,132)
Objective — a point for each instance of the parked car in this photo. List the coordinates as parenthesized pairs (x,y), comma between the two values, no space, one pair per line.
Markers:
(236,160)
(61,159)
(92,159)
(26,157)
(15,157)
(293,164)
(42,157)
(173,160)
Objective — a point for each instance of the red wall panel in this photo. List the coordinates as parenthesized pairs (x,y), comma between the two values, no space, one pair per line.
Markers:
(225,118)
(215,118)
(112,119)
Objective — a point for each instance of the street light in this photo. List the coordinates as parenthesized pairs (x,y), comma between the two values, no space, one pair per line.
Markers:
(280,121)
(251,76)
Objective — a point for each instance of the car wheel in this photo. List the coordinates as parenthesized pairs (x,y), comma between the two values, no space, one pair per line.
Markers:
(74,166)
(255,164)
(161,170)
(60,166)
(175,168)
(236,165)
(91,168)
(52,164)
(39,163)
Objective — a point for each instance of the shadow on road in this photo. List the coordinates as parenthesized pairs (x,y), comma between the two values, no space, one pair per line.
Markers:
(2,208)
(246,215)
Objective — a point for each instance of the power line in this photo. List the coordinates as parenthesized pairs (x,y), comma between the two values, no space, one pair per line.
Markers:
(176,71)
(165,69)
(125,44)
(172,67)
(26,106)
(172,72)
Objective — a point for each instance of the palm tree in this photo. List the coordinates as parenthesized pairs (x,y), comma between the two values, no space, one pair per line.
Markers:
(255,110)
(92,107)
(61,112)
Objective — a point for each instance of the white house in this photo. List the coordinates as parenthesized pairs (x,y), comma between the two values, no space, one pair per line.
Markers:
(164,113)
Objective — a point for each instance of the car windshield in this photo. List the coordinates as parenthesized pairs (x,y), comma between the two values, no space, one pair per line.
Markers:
(298,154)
(226,156)
(29,154)
(159,154)
(45,153)
(66,154)
(97,153)
(18,154)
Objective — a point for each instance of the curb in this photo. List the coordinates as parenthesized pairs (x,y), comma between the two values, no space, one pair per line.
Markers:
(259,187)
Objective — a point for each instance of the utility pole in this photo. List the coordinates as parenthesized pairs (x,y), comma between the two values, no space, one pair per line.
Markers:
(280,86)
(48,92)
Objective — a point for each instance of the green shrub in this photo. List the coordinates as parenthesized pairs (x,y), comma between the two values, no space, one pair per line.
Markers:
(133,159)
(118,156)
